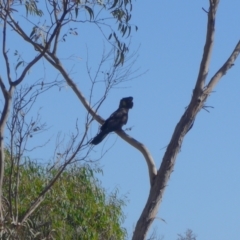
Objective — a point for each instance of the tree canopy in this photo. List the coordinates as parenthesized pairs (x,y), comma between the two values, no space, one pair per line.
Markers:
(76,207)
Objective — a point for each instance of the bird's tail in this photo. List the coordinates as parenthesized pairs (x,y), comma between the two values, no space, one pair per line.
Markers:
(96,140)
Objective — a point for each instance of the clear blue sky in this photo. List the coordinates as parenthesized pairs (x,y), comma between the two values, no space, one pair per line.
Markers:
(203,193)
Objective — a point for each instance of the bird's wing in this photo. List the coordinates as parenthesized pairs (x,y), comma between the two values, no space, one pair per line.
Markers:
(116,120)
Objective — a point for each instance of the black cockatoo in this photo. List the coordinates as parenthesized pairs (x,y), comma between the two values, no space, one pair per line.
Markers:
(115,121)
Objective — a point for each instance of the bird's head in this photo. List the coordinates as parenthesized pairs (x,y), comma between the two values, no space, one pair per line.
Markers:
(126,102)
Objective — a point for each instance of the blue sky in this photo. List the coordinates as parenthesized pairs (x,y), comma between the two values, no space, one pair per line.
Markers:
(203,193)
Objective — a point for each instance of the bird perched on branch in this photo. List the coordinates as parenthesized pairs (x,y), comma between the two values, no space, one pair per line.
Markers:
(115,121)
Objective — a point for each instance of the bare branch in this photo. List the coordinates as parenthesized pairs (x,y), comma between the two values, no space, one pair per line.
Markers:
(55,44)
(21,131)
(42,50)
(150,162)
(57,64)
(41,196)
(38,57)
(5,51)
(204,66)
(3,120)
(183,126)
(223,70)
(3,88)
(143,149)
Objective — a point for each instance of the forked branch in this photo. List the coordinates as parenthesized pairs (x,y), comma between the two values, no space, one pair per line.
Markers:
(223,70)
(200,95)
(207,52)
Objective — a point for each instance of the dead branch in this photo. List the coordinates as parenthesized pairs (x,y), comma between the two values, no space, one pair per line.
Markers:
(21,130)
(196,104)
(223,70)
(207,52)
(69,160)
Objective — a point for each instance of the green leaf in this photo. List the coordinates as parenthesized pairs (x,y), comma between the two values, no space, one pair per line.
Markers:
(129,31)
(119,26)
(19,63)
(124,29)
(114,4)
(76,11)
(90,11)
(119,59)
(33,32)
(110,36)
(31,7)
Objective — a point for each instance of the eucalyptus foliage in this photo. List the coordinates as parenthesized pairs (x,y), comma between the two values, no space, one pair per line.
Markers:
(76,207)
